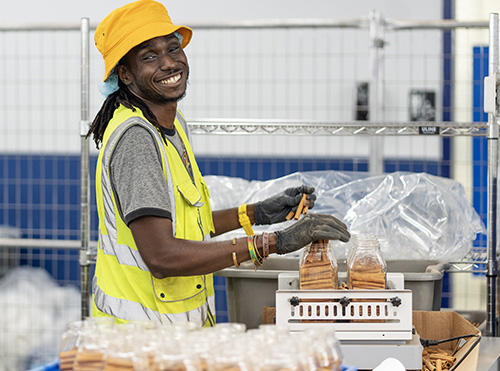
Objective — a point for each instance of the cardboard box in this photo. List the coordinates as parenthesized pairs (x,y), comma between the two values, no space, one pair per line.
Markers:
(269,316)
(445,325)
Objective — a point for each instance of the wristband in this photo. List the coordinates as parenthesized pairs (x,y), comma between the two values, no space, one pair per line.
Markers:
(254,242)
(251,250)
(265,245)
(245,220)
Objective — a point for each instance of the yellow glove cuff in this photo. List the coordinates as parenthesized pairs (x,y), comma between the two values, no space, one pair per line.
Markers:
(245,220)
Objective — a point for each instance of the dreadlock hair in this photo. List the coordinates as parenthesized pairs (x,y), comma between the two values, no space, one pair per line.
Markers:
(126,98)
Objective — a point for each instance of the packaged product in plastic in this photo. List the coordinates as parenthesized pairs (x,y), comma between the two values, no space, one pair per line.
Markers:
(95,336)
(69,344)
(366,267)
(318,267)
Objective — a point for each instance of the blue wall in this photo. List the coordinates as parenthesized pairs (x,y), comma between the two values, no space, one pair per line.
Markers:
(480,144)
(40,195)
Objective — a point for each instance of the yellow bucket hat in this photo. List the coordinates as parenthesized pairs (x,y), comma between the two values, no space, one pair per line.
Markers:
(132,24)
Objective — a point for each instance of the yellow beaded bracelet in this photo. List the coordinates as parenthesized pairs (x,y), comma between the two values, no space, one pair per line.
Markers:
(245,220)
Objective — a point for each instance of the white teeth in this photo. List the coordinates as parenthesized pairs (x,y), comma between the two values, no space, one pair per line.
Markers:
(172,80)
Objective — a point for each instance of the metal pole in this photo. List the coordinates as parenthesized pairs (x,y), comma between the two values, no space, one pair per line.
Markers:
(492,267)
(390,24)
(84,168)
(376,90)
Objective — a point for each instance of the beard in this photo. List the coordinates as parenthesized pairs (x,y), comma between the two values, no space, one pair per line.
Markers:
(179,98)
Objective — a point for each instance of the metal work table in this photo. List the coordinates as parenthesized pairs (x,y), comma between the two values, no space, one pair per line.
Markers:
(489,354)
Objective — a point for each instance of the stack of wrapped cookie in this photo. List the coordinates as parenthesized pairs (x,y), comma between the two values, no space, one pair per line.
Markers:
(366,267)
(318,268)
(100,344)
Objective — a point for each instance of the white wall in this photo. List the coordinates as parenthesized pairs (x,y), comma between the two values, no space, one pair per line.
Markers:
(64,11)
(205,99)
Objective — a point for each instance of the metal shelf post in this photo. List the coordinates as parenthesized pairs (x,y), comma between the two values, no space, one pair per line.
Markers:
(491,107)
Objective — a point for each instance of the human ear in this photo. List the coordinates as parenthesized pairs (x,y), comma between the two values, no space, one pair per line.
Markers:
(123,74)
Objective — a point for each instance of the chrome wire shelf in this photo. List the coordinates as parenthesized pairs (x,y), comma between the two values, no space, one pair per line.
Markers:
(347,128)
(466,267)
(475,261)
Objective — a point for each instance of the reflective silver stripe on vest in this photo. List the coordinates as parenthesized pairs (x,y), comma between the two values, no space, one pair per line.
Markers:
(132,311)
(124,254)
(121,308)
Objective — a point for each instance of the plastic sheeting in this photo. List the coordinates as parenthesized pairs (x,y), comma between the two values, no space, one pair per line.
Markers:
(416,216)
(34,313)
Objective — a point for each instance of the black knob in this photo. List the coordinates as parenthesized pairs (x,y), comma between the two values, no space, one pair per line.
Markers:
(294,300)
(396,301)
(344,301)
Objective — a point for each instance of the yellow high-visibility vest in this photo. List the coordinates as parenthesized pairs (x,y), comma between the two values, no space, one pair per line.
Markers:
(123,287)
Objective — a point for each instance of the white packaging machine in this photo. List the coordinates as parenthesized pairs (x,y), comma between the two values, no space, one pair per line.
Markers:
(371,325)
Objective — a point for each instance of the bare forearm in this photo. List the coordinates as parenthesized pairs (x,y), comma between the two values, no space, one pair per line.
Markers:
(190,258)
(168,256)
(227,220)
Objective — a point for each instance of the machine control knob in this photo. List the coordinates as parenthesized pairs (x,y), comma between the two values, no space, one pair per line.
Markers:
(344,301)
(396,301)
(294,300)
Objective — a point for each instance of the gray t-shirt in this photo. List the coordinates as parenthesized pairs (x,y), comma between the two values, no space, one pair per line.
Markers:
(137,176)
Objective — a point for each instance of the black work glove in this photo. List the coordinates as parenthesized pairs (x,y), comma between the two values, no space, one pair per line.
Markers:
(310,228)
(276,208)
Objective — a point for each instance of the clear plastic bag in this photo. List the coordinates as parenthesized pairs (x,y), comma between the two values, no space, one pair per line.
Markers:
(416,216)
(31,302)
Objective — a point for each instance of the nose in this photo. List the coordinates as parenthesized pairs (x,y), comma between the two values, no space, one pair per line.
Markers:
(166,62)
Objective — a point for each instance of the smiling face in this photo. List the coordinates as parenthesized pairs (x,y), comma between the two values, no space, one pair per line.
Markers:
(156,71)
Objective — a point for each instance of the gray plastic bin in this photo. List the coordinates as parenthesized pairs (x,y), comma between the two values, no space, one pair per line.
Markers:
(424,278)
(248,291)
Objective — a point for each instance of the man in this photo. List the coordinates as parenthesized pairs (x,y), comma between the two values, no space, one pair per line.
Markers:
(155,258)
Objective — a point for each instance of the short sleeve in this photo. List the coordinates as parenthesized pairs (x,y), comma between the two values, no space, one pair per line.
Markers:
(137,176)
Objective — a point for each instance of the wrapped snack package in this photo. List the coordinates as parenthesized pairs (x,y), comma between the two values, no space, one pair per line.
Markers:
(318,267)
(366,267)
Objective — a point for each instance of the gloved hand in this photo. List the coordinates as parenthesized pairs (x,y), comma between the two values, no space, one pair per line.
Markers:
(276,208)
(310,228)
